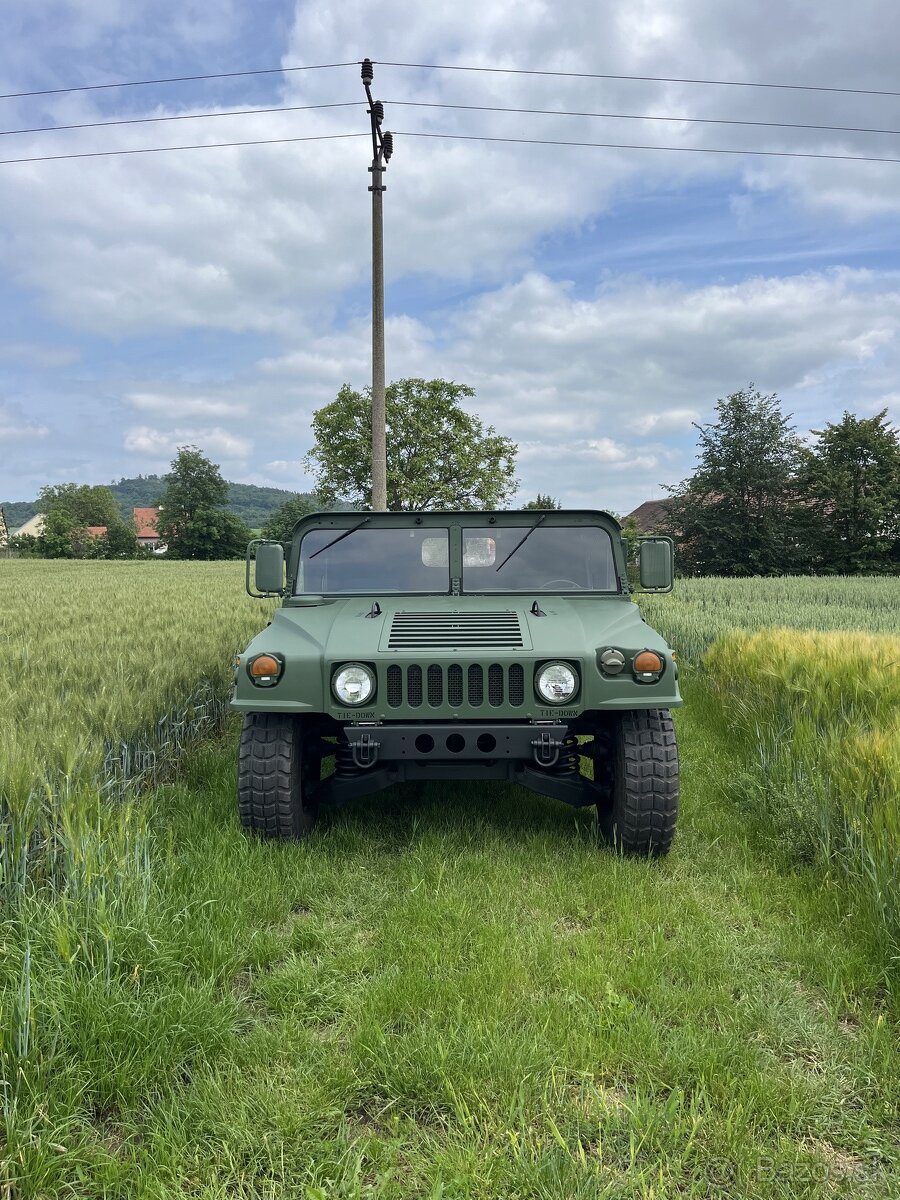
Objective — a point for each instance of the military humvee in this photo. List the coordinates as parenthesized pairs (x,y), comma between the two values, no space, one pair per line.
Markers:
(459,645)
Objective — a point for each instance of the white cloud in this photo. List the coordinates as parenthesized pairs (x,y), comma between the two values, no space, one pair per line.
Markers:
(184,406)
(671,420)
(16,426)
(156,443)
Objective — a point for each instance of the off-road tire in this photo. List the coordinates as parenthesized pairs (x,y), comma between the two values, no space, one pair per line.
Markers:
(277,774)
(641,815)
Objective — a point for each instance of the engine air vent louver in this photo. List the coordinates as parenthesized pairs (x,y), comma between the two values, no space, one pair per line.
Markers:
(455,631)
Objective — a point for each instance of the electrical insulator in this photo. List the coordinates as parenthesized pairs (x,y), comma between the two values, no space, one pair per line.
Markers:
(378,112)
(387,143)
(368,72)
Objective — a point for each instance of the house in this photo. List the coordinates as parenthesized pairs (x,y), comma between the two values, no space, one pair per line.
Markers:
(145,526)
(651,516)
(32,528)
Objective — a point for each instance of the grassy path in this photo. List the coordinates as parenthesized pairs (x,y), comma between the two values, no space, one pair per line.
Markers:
(455,994)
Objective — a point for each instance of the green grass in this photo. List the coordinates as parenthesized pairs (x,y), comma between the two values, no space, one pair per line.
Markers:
(446,991)
(454,993)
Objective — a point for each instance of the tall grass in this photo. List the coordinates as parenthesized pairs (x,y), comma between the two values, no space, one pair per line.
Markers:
(820,714)
(699,610)
(107,670)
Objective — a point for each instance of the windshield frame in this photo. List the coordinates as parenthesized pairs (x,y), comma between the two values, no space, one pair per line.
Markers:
(455,523)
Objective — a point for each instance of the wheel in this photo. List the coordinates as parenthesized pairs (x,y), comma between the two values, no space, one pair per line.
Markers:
(277,774)
(551,582)
(641,815)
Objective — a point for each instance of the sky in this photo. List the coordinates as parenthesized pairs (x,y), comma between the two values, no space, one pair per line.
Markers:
(599,300)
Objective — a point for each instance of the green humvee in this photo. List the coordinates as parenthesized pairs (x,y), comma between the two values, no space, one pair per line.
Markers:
(461,645)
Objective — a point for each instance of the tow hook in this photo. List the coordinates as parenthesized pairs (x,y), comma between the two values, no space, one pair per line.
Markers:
(546,749)
(365,750)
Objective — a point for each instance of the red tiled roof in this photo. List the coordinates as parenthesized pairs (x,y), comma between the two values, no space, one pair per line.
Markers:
(95,531)
(145,522)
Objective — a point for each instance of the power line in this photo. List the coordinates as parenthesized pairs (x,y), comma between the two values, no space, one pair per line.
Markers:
(325,137)
(558,112)
(457,137)
(466,137)
(793,87)
(191,116)
(796,87)
(97,87)
(550,112)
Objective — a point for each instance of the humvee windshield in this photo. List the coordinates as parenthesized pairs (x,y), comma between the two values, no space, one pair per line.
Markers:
(495,559)
(374,560)
(553,558)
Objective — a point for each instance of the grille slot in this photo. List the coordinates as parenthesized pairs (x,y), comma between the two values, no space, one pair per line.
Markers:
(495,685)
(455,685)
(455,631)
(516,685)
(414,687)
(435,686)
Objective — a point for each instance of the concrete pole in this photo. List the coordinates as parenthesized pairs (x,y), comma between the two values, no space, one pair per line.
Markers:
(379,439)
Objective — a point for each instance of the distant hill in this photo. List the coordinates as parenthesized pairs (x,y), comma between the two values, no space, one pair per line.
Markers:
(246,500)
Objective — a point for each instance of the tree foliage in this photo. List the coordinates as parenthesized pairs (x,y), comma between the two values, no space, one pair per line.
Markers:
(438,455)
(70,510)
(853,482)
(193,521)
(542,503)
(280,525)
(740,512)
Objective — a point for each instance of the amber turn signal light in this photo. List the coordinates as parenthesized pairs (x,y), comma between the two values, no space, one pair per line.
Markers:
(648,662)
(264,667)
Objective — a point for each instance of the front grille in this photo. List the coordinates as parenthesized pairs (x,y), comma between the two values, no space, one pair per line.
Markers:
(455,631)
(455,686)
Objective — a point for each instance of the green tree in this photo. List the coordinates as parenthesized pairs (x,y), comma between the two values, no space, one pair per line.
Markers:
(738,514)
(853,478)
(438,455)
(280,524)
(193,522)
(542,502)
(69,510)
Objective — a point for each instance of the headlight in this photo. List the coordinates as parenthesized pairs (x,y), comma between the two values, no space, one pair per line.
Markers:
(353,684)
(557,683)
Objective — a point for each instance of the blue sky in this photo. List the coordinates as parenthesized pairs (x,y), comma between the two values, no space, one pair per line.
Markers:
(599,301)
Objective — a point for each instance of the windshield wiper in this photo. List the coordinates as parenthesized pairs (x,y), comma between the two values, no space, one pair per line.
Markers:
(541,518)
(340,537)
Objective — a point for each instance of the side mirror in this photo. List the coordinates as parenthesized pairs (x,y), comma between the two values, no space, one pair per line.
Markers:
(657,564)
(268,575)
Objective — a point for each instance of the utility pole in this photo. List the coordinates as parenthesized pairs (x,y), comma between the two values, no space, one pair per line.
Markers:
(382,149)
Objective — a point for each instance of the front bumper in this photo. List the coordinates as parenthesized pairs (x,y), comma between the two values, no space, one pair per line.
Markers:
(455,742)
